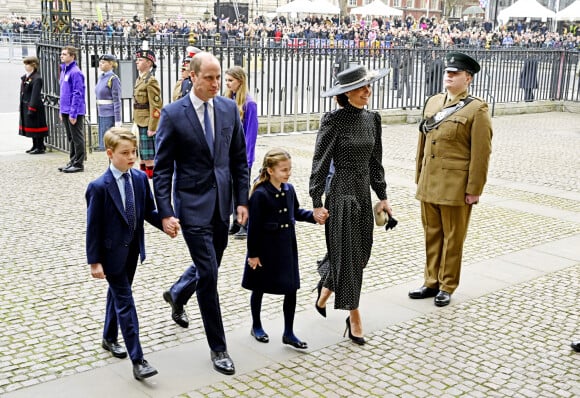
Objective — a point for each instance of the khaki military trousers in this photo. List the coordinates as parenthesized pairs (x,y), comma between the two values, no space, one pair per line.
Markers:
(445,229)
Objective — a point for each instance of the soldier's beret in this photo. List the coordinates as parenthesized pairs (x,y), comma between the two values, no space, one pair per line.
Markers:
(108,57)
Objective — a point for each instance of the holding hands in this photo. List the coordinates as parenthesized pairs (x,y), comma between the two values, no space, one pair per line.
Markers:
(254,262)
(171,226)
(320,215)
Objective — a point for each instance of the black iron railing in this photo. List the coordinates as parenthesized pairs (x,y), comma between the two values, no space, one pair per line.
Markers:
(286,79)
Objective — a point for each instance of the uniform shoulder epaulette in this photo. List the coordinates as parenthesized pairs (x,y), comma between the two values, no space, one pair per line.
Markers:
(110,81)
(431,96)
(476,98)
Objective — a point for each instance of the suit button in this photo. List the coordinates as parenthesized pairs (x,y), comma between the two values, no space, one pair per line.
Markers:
(285,210)
(277,195)
(280,211)
(286,225)
(432,156)
(433,142)
(282,194)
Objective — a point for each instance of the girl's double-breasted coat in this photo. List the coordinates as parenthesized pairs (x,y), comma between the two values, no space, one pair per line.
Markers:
(272,237)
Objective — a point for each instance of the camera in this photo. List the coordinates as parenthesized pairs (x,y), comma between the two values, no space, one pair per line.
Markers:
(391,223)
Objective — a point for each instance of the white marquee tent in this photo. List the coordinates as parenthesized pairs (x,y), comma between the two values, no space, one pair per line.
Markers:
(324,7)
(377,7)
(570,13)
(525,9)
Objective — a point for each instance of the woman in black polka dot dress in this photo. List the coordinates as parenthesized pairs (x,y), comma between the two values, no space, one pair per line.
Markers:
(350,137)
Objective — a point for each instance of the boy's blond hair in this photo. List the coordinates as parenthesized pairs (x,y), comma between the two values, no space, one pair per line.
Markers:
(114,135)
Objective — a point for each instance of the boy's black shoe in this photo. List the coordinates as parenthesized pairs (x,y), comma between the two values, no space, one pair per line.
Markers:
(114,348)
(142,370)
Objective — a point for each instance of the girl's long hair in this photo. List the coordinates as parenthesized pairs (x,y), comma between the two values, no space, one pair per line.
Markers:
(238,73)
(272,158)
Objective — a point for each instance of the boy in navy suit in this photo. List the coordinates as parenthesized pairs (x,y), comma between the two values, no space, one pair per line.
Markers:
(118,203)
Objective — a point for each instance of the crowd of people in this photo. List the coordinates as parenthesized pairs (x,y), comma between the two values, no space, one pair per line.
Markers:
(325,32)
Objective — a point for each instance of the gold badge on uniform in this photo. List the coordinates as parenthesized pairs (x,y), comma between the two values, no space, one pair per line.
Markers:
(156,114)
(157,99)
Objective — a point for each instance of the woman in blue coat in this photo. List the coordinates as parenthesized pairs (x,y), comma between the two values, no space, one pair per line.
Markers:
(272,258)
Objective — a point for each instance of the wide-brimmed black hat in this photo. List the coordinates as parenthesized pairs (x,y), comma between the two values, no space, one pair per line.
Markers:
(108,57)
(353,78)
(147,54)
(458,61)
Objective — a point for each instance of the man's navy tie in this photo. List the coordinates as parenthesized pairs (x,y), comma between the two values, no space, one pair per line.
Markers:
(207,127)
(129,202)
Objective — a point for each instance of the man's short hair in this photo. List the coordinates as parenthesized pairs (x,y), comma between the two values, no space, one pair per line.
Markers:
(72,51)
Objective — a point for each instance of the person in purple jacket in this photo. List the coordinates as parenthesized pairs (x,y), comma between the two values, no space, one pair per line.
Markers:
(108,94)
(72,108)
(237,89)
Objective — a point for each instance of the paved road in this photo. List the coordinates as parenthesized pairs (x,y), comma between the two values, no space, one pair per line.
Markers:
(506,333)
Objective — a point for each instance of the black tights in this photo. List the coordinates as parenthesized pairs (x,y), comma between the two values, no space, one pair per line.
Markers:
(289,308)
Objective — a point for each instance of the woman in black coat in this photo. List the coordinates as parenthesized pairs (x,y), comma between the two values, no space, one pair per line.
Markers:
(32,116)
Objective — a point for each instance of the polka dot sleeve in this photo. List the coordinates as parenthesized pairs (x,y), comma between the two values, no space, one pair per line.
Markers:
(323,151)
(376,169)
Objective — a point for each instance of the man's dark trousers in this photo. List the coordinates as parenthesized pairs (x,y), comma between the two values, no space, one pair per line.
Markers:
(75,134)
(206,246)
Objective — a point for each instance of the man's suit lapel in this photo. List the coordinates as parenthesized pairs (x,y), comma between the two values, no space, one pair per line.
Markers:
(113,191)
(196,127)
(218,109)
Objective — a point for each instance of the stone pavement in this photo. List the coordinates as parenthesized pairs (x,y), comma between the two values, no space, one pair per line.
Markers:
(506,332)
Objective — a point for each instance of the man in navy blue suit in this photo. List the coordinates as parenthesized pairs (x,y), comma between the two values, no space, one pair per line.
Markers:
(118,203)
(201,161)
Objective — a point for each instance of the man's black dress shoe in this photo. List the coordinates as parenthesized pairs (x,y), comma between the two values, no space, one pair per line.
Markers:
(575,345)
(177,312)
(114,348)
(294,342)
(66,166)
(37,151)
(30,150)
(260,335)
(442,299)
(73,169)
(223,363)
(142,370)
(423,292)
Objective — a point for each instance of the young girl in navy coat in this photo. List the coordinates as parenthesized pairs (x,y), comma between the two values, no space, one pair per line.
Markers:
(272,258)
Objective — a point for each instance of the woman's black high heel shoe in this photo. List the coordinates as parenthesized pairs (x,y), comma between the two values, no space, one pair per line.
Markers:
(355,339)
(321,310)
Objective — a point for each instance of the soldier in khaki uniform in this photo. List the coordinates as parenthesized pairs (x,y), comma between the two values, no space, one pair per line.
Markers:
(147,104)
(451,171)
